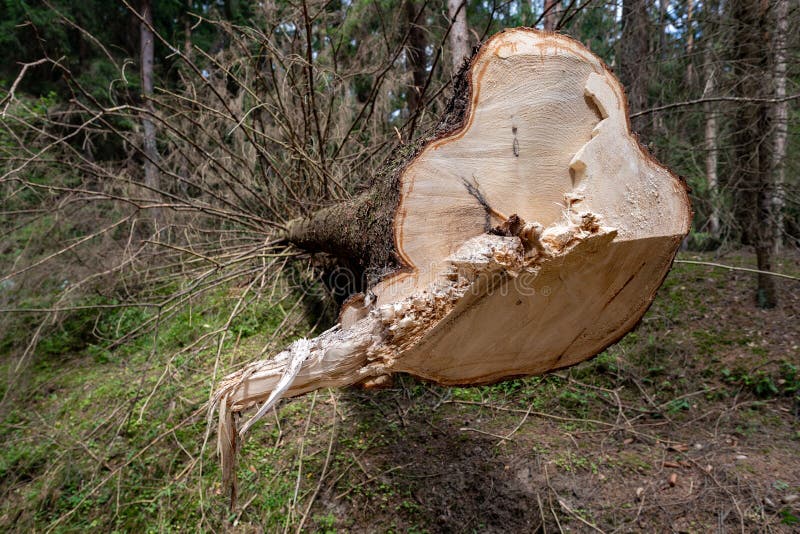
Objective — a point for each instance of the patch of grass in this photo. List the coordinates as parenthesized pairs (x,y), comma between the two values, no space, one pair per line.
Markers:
(112,438)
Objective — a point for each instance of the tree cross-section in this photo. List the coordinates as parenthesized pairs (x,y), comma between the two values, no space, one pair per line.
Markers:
(527,234)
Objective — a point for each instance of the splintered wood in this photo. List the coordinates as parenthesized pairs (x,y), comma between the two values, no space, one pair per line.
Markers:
(529,238)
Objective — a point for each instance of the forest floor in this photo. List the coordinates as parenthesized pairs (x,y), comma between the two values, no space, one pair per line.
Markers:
(690,424)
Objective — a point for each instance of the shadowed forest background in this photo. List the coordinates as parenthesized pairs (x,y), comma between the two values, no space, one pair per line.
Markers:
(151,153)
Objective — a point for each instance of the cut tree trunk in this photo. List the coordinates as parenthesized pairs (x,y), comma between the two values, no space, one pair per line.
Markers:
(528,233)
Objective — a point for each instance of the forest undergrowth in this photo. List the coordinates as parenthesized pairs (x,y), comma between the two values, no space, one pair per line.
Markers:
(690,421)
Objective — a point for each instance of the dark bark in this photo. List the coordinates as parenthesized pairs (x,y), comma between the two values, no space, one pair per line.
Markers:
(358,232)
(633,53)
(417,60)
(752,146)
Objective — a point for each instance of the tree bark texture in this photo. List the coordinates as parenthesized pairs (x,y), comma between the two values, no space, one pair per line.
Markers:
(752,141)
(780,118)
(634,50)
(415,54)
(459,32)
(710,143)
(150,149)
(550,15)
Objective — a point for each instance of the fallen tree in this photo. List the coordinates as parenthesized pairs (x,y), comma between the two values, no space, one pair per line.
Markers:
(527,233)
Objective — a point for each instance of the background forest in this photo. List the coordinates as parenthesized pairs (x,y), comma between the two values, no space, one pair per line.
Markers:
(151,151)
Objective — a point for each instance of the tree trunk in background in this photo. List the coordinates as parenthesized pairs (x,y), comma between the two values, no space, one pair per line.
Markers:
(187,30)
(415,53)
(751,139)
(459,32)
(549,22)
(710,145)
(146,58)
(662,26)
(780,117)
(231,10)
(690,81)
(526,8)
(633,62)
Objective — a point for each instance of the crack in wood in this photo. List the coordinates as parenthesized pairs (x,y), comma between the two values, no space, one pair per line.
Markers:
(475,192)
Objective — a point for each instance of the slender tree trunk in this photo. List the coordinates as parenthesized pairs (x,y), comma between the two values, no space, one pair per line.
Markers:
(690,81)
(459,32)
(780,117)
(710,142)
(526,12)
(415,53)
(231,10)
(187,30)
(662,27)
(633,54)
(147,52)
(549,22)
(752,141)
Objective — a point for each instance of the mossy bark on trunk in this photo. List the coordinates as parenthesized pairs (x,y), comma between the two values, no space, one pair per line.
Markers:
(358,232)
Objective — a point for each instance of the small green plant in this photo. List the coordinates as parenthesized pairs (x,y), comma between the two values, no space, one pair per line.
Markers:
(788,517)
(326,523)
(789,379)
(678,405)
(762,384)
